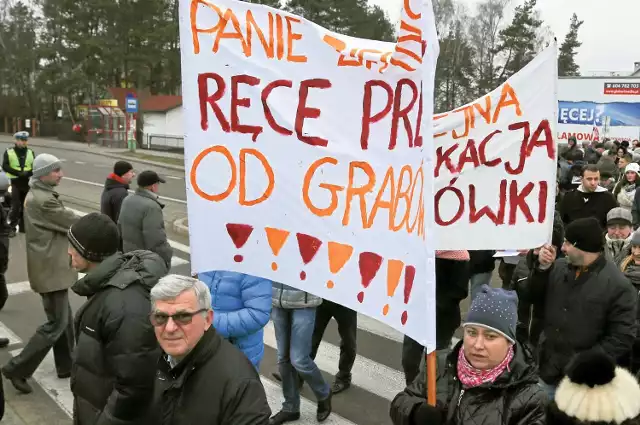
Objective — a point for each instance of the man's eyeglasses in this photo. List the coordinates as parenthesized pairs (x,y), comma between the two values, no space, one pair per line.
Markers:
(180,318)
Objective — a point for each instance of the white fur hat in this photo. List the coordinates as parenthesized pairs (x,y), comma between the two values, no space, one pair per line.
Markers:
(595,391)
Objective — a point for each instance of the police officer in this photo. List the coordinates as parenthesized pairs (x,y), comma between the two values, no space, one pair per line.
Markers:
(18,165)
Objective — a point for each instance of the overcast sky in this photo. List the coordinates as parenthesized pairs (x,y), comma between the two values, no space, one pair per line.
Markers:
(609,33)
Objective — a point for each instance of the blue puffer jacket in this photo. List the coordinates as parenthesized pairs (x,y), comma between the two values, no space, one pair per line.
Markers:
(241,308)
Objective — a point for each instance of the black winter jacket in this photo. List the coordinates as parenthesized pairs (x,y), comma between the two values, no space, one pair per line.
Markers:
(594,311)
(580,204)
(452,286)
(481,262)
(116,353)
(215,384)
(112,196)
(515,398)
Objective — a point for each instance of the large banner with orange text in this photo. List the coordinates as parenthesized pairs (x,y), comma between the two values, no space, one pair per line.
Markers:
(495,164)
(309,156)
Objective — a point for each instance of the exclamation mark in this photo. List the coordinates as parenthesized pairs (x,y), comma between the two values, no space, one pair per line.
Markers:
(394,271)
(239,235)
(369,264)
(409,275)
(276,239)
(309,247)
(339,254)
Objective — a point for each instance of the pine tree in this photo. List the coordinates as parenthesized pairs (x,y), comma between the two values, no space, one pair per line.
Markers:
(566,58)
(272,3)
(519,41)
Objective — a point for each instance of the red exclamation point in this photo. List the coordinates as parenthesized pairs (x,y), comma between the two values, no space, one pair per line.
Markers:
(369,264)
(409,275)
(239,235)
(309,247)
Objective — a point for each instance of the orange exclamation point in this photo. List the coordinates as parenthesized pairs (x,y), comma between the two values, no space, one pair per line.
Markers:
(394,271)
(276,239)
(339,254)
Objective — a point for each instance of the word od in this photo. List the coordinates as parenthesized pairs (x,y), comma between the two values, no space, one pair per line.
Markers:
(394,105)
(236,170)
(235,102)
(400,193)
(508,98)
(399,187)
(275,41)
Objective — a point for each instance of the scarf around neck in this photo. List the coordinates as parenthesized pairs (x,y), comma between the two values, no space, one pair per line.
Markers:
(471,377)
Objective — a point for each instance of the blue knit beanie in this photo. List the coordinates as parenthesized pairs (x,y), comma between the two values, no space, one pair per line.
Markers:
(495,309)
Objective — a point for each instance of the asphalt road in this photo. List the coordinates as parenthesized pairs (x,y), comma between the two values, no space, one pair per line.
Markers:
(377,375)
(85,174)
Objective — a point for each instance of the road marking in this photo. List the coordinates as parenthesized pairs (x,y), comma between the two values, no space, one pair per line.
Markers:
(307,407)
(60,392)
(175,245)
(373,326)
(56,388)
(5,332)
(80,162)
(164,198)
(174,178)
(21,287)
(367,374)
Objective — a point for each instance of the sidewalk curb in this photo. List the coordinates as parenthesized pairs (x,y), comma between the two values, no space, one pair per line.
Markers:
(87,149)
(180,227)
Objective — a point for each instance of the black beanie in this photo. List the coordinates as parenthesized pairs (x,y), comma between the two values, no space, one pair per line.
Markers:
(586,235)
(95,236)
(121,168)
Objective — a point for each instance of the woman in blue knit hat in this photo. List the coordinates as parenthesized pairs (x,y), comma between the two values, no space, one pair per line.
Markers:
(488,379)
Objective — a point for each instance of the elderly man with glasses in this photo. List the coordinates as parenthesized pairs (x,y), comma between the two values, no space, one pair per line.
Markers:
(202,378)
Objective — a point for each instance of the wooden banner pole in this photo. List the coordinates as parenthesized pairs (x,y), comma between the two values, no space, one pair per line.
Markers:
(431,377)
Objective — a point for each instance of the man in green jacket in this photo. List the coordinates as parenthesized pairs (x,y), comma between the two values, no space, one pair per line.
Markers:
(47,222)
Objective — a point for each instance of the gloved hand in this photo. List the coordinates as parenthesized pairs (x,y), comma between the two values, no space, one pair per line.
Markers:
(425,414)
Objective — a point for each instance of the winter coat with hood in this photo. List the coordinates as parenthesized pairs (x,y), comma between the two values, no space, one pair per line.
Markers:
(115,190)
(625,191)
(241,308)
(141,225)
(514,398)
(591,310)
(116,349)
(582,204)
(47,222)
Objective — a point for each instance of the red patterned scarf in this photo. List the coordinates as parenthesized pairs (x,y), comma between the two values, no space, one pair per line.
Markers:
(453,255)
(471,377)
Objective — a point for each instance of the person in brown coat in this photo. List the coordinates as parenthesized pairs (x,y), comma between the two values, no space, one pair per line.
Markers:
(50,274)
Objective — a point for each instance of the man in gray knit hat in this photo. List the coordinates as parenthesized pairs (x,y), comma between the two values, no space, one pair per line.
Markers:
(50,274)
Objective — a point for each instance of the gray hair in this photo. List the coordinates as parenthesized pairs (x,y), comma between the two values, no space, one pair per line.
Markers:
(171,286)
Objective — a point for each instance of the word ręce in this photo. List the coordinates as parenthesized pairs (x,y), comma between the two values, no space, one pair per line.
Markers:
(214,97)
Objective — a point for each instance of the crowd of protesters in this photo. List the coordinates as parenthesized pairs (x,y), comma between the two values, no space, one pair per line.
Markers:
(555,344)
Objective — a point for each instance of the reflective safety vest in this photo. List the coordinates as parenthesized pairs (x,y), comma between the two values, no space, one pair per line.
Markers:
(14,162)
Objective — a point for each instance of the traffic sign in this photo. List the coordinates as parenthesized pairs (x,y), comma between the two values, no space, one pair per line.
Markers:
(131,104)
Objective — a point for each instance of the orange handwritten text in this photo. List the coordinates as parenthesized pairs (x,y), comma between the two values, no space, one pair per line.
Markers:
(277,36)
(401,194)
(483,108)
(237,168)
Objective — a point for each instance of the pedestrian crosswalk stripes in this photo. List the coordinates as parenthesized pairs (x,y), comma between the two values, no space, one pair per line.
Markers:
(373,377)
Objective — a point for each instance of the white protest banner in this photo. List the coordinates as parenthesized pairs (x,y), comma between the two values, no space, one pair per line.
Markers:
(495,165)
(308,156)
